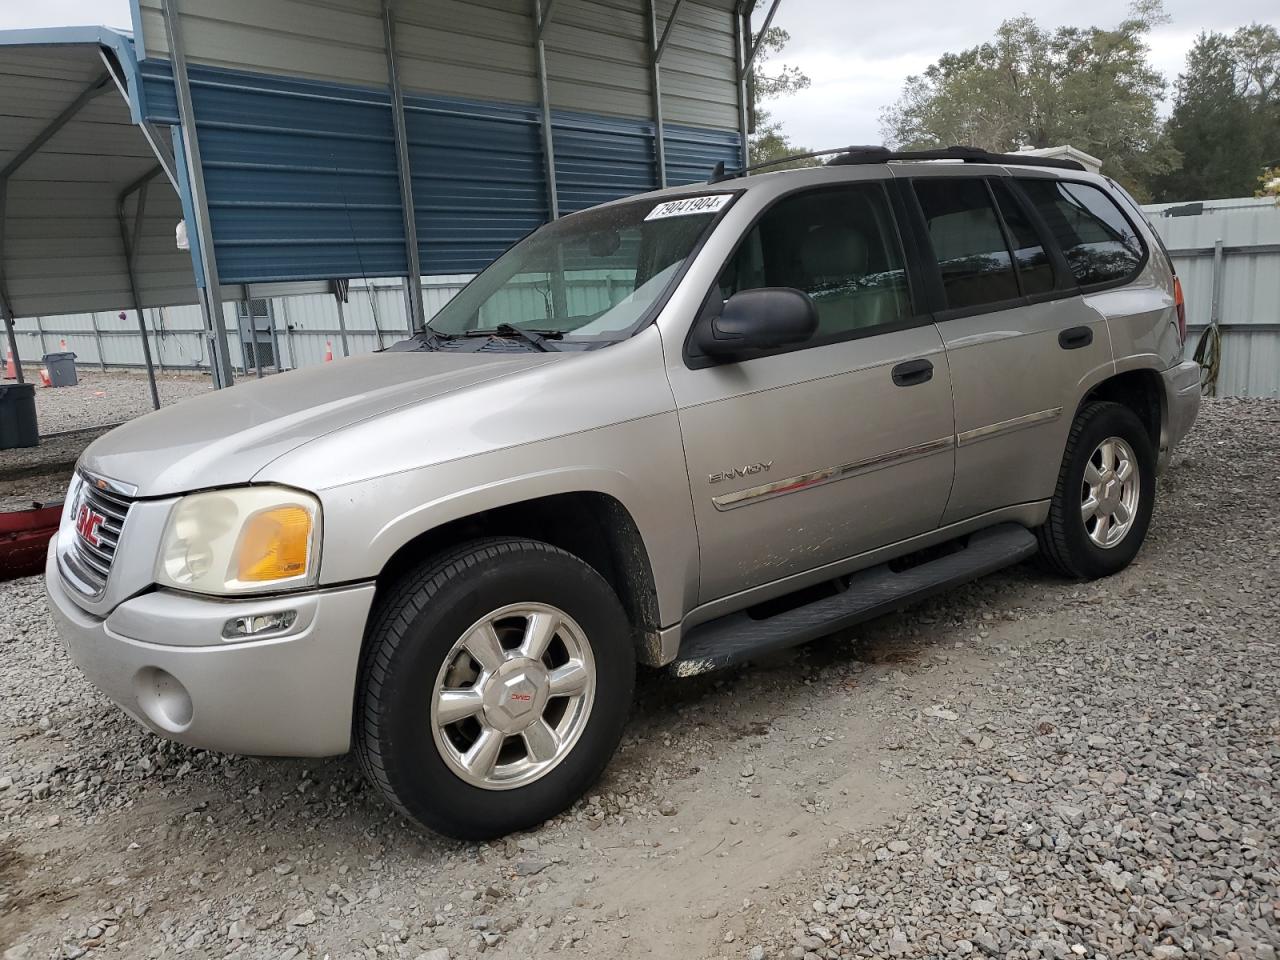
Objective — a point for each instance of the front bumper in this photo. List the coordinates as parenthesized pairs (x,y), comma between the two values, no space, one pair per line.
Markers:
(161,658)
(1182,403)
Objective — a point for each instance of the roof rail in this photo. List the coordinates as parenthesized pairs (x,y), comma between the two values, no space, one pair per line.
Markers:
(845,156)
(963,154)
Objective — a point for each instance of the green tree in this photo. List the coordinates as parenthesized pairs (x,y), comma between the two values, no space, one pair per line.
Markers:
(1226,115)
(1089,87)
(768,141)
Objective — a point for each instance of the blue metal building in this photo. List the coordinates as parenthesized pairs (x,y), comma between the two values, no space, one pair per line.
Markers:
(307,141)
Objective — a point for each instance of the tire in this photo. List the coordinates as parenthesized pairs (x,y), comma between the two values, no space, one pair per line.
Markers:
(1069,540)
(486,590)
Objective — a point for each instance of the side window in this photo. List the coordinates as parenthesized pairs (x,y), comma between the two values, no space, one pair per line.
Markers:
(1100,243)
(838,245)
(1035,271)
(967,241)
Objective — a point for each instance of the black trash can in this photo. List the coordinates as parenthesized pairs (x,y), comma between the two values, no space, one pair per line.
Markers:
(62,369)
(18,416)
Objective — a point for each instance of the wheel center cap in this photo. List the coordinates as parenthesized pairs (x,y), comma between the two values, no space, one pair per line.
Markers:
(1111,491)
(516,695)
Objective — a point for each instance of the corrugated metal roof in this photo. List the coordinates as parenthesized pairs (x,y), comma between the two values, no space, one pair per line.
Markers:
(597,50)
(61,240)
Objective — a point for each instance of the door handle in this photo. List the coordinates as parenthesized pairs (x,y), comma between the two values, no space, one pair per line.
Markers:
(1075,338)
(912,372)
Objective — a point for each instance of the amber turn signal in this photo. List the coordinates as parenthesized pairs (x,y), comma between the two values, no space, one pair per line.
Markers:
(275,544)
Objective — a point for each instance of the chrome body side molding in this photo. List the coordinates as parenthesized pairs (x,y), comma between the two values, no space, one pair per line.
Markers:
(805,481)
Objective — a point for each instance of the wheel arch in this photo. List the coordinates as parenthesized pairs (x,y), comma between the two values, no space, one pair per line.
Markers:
(594,526)
(1142,391)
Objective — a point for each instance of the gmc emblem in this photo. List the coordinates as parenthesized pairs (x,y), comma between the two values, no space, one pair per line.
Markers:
(87,523)
(522,697)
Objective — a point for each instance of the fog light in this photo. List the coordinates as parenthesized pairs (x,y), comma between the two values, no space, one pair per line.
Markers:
(242,628)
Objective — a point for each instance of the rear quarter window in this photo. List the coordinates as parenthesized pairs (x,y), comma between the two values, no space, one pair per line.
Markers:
(1100,243)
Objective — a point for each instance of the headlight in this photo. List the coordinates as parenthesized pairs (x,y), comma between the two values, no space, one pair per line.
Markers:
(241,541)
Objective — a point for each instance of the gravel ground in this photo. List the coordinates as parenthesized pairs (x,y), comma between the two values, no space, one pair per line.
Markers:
(109,398)
(70,418)
(1023,768)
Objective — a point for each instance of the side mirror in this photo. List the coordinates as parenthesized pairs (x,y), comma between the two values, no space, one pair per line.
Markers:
(763,319)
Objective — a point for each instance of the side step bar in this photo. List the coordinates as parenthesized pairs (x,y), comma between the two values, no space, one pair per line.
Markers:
(877,590)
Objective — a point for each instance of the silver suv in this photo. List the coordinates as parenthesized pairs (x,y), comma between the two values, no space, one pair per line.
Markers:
(678,430)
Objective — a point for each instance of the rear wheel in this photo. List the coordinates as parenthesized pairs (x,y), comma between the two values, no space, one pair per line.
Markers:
(495,686)
(1106,488)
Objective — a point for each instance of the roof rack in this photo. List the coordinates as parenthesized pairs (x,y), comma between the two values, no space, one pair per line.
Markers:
(848,156)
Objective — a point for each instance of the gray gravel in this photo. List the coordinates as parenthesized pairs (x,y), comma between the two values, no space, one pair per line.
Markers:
(1023,768)
(111,397)
(1110,789)
(70,418)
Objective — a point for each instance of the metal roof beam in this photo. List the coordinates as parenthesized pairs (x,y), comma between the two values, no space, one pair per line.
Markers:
(159,146)
(661,46)
(759,41)
(542,15)
(57,123)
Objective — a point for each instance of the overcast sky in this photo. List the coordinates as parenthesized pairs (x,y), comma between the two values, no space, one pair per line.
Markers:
(857,54)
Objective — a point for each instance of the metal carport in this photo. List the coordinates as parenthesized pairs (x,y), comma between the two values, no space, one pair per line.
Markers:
(314,141)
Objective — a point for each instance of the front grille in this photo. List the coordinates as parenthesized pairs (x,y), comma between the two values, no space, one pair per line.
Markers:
(89,564)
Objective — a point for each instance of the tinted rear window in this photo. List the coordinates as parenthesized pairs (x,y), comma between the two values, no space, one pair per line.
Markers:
(967,241)
(1100,243)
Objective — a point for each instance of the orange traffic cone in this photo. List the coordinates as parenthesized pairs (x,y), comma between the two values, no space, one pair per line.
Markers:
(10,368)
(328,351)
(44,378)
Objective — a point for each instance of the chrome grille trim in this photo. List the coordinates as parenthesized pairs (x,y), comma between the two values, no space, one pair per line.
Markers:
(84,566)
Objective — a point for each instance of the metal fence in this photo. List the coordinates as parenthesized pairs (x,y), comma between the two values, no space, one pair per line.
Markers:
(1227,253)
(301,330)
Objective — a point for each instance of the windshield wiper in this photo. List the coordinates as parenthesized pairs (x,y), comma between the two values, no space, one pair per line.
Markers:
(538,339)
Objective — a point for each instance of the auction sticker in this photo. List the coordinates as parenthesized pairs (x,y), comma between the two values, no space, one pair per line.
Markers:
(688,206)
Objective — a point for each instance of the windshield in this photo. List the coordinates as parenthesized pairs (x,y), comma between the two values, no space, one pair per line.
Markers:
(592,276)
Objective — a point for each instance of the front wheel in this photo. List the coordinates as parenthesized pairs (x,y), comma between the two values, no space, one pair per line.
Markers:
(1101,508)
(495,686)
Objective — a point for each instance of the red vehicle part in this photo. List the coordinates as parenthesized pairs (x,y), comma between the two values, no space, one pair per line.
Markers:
(24,539)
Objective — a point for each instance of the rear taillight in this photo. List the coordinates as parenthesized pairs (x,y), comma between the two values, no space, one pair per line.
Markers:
(1181,306)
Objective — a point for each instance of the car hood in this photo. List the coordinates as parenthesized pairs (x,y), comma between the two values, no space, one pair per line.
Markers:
(227,436)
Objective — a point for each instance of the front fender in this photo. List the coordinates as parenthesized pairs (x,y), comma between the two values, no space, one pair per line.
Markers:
(365,523)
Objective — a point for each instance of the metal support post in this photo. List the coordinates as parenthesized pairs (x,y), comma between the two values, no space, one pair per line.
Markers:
(339,289)
(44,346)
(129,244)
(741,38)
(541,19)
(1215,304)
(97,341)
(417,319)
(655,82)
(253,337)
(211,291)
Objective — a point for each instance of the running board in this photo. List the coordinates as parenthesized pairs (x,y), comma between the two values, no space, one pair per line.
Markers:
(873,592)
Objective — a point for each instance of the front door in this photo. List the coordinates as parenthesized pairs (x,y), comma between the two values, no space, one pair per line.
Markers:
(801,458)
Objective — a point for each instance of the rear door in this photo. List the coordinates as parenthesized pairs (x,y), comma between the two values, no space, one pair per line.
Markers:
(1020,339)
